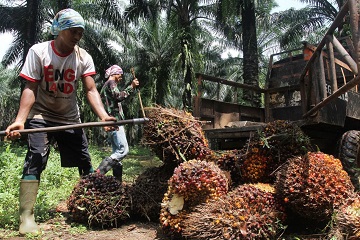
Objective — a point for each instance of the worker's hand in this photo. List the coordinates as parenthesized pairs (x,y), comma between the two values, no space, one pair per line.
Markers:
(110,128)
(135,83)
(10,130)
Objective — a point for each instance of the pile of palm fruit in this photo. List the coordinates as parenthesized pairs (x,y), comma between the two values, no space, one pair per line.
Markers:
(147,192)
(347,221)
(227,160)
(174,135)
(264,153)
(275,174)
(313,185)
(247,212)
(99,201)
(192,183)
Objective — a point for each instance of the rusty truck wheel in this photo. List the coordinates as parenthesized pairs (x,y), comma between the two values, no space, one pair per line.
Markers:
(348,153)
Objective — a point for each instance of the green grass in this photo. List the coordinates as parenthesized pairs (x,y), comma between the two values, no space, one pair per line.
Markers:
(56,183)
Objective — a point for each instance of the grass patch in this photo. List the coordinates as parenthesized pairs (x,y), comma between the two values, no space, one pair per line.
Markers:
(56,183)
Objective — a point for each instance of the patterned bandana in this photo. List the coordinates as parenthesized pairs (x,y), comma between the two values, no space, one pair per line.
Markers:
(66,18)
(114,69)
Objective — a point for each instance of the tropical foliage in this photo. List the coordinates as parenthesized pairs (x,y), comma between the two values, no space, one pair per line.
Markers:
(167,42)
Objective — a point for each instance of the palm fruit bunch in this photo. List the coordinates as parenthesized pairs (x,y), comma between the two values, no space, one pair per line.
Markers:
(250,211)
(254,165)
(313,185)
(226,160)
(193,182)
(261,157)
(147,192)
(347,220)
(99,201)
(174,135)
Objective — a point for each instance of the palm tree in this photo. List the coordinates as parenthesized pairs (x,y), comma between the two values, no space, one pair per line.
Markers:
(182,15)
(34,24)
(26,30)
(38,15)
(154,52)
(309,22)
(9,97)
(238,22)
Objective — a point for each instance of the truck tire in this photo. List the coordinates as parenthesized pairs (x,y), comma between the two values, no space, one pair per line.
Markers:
(348,153)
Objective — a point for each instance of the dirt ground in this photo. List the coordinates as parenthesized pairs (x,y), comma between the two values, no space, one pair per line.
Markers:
(59,228)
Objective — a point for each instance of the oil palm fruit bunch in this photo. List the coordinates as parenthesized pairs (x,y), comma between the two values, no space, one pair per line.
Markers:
(193,182)
(347,221)
(284,139)
(226,160)
(261,157)
(174,135)
(99,201)
(147,192)
(250,211)
(313,185)
(255,165)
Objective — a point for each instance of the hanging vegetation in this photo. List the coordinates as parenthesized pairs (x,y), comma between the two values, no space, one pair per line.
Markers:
(99,201)
(313,185)
(247,212)
(174,135)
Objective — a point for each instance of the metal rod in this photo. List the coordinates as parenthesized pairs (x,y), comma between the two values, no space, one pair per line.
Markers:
(80,125)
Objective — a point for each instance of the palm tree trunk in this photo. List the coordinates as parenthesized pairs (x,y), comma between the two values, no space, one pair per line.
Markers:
(32,29)
(63,4)
(250,50)
(187,99)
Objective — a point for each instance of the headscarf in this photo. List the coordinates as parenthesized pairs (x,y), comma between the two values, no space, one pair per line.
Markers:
(114,69)
(66,18)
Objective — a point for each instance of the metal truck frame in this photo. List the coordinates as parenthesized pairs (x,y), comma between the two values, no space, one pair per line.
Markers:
(315,87)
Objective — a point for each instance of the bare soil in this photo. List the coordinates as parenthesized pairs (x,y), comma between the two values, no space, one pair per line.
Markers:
(60,228)
(128,231)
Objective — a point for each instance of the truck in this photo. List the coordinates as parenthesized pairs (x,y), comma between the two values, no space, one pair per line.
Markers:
(315,87)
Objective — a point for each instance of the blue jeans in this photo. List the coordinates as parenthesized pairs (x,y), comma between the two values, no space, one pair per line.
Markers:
(119,144)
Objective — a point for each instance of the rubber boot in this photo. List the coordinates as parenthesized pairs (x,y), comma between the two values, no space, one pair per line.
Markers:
(27,197)
(106,165)
(117,171)
(85,171)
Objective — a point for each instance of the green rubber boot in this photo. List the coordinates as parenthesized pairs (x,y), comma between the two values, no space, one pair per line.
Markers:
(28,192)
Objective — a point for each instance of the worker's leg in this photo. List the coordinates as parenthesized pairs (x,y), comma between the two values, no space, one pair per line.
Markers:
(120,149)
(35,162)
(74,150)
